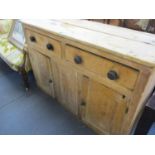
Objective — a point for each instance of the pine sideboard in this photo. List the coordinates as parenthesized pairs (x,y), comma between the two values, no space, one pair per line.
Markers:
(103,74)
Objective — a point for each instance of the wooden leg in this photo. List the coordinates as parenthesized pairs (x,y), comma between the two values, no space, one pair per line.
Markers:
(25,79)
(145,122)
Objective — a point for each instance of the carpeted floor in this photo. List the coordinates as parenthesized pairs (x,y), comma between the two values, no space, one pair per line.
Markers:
(32,112)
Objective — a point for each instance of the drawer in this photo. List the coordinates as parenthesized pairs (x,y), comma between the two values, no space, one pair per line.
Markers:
(47,45)
(110,70)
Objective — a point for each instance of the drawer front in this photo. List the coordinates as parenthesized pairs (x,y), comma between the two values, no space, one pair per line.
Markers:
(45,44)
(115,72)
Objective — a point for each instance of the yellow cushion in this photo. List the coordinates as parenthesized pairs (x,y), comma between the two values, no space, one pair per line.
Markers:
(11,55)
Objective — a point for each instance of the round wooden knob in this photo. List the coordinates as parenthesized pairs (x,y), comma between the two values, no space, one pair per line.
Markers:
(50,47)
(50,81)
(33,39)
(112,75)
(78,59)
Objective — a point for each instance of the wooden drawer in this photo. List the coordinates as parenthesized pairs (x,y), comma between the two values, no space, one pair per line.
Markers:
(113,71)
(45,44)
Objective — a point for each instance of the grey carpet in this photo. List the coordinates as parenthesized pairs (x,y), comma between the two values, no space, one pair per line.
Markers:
(33,112)
(152,130)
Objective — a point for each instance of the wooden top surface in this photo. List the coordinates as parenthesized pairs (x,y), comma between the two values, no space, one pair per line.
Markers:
(129,44)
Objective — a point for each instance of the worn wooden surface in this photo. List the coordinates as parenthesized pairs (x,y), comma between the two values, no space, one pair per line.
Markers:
(103,66)
(107,106)
(42,71)
(41,43)
(136,51)
(116,31)
(67,83)
(145,25)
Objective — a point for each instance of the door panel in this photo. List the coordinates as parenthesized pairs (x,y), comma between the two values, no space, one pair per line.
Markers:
(104,107)
(42,71)
(65,78)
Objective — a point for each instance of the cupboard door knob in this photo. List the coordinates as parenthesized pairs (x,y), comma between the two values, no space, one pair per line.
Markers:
(50,47)
(50,81)
(78,59)
(112,75)
(33,39)
(83,103)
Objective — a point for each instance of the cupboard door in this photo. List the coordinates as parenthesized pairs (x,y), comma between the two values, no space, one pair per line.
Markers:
(42,70)
(65,78)
(101,107)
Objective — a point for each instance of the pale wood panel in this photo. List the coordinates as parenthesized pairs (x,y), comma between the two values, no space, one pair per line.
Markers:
(62,62)
(42,71)
(92,49)
(136,51)
(82,70)
(41,43)
(56,78)
(121,110)
(101,66)
(105,108)
(113,30)
(66,84)
(83,86)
